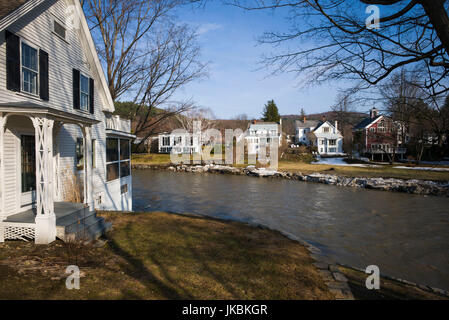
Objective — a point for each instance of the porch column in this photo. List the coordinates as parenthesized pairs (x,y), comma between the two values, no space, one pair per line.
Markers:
(88,196)
(45,214)
(2,171)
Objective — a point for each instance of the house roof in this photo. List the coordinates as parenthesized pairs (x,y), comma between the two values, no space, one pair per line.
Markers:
(365,122)
(308,124)
(31,108)
(8,6)
(265,125)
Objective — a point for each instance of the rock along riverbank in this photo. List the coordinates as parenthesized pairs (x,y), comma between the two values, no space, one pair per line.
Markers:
(422,187)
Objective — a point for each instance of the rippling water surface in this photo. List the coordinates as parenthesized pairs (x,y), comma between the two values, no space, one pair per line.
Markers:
(407,236)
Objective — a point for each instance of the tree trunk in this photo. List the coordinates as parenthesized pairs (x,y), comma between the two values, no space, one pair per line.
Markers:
(438,17)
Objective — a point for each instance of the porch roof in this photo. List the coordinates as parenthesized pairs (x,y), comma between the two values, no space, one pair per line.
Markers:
(119,134)
(27,107)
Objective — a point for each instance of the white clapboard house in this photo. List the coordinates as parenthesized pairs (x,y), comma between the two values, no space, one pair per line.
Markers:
(324,135)
(179,142)
(260,134)
(58,136)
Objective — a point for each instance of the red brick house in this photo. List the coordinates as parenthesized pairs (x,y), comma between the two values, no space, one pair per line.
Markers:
(377,137)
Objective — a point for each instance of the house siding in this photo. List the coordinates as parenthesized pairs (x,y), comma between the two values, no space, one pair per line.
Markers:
(36,28)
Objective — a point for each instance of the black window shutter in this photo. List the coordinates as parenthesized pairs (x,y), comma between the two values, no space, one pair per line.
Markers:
(12,61)
(43,75)
(76,89)
(91,95)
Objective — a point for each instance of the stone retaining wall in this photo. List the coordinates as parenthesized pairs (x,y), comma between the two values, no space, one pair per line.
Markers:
(422,187)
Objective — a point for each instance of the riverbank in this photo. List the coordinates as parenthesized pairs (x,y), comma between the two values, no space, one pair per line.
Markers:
(376,171)
(166,256)
(411,186)
(156,255)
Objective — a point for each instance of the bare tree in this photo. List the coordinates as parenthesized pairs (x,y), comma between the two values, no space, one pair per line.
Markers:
(415,107)
(242,116)
(204,115)
(147,56)
(330,39)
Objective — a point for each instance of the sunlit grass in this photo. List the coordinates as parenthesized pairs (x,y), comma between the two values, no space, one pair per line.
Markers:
(166,256)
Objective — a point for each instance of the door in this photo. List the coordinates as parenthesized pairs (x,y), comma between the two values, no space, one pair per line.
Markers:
(28,170)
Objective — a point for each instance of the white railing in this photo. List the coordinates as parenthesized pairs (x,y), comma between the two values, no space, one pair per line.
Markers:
(115,123)
(385,150)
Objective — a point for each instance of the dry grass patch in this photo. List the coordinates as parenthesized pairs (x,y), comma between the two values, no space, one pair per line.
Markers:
(166,256)
(384,171)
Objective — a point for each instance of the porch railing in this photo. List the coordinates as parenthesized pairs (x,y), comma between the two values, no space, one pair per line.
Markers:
(115,123)
(391,150)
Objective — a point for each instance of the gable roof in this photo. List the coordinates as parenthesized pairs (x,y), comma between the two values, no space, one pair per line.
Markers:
(307,124)
(8,6)
(366,122)
(22,7)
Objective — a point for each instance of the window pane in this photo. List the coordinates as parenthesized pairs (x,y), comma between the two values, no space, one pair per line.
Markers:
(59,29)
(94,165)
(112,171)
(124,169)
(28,152)
(124,149)
(84,101)
(79,154)
(111,149)
(84,84)
(29,57)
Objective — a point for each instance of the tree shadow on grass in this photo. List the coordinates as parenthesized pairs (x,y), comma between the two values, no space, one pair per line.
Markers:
(136,269)
(202,259)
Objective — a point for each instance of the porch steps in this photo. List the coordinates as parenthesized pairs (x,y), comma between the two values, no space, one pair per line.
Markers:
(81,225)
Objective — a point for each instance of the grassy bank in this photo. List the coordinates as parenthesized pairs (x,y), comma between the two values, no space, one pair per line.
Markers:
(384,171)
(165,256)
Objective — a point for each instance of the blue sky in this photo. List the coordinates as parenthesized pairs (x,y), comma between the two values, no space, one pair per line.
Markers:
(228,37)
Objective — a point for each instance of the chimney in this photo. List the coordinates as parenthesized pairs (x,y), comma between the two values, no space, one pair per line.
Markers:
(373,113)
(336,126)
(324,118)
(304,119)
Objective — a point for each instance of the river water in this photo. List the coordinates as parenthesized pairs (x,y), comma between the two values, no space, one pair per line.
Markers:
(407,236)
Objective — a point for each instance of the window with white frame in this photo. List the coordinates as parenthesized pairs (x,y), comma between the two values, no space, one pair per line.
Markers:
(177,140)
(326,129)
(117,158)
(165,141)
(84,93)
(332,142)
(29,69)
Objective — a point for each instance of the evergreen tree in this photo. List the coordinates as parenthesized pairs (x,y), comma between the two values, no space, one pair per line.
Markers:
(302,113)
(271,112)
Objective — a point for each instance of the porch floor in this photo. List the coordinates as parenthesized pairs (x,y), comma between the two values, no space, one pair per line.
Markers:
(61,209)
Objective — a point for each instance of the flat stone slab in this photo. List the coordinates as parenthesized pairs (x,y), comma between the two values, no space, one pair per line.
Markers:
(339,277)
